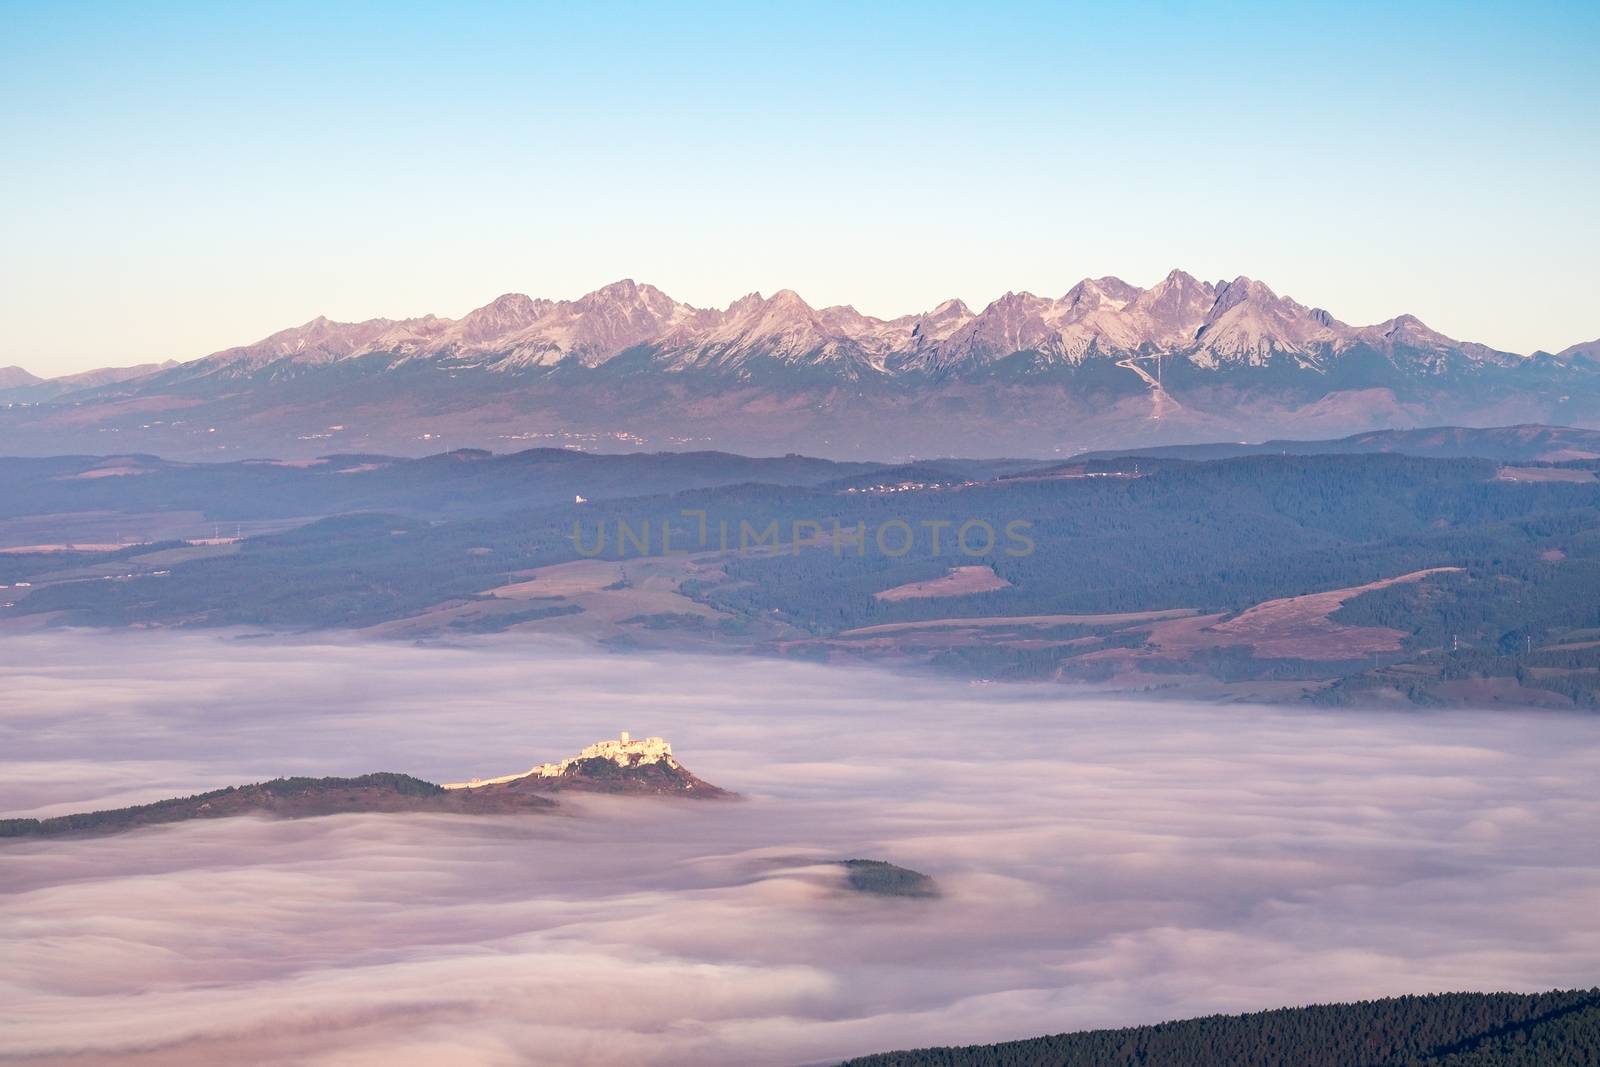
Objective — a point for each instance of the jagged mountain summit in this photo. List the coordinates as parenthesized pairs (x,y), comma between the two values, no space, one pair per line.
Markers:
(1241,320)
(1106,364)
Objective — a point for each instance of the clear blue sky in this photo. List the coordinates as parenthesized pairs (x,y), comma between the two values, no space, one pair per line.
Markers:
(179,178)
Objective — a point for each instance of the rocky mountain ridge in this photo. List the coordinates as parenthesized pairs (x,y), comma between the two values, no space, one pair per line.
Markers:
(1209,323)
(1107,364)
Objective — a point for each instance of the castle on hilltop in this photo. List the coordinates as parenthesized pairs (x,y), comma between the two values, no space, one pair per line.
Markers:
(625,751)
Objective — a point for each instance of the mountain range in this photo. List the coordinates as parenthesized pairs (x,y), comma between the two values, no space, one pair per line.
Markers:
(19,386)
(1107,364)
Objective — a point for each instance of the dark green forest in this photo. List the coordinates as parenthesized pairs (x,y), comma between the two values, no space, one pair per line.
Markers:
(1559,1029)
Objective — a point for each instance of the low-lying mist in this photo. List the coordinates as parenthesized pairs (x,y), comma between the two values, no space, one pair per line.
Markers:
(1102,862)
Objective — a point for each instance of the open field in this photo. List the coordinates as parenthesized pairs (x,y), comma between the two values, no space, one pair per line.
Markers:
(1016,622)
(22,550)
(959,582)
(596,599)
(95,530)
(1573,475)
(1293,627)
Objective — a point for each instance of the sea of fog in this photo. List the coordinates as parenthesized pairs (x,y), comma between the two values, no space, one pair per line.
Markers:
(1102,862)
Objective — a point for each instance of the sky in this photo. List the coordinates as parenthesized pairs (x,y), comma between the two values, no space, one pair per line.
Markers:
(1101,863)
(184,177)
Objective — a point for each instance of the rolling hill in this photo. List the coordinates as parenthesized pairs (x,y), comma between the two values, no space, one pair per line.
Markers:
(1362,577)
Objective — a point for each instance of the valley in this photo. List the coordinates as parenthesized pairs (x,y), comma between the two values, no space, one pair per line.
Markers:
(1355,573)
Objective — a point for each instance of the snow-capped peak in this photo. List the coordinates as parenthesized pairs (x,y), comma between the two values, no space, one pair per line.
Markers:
(1242,320)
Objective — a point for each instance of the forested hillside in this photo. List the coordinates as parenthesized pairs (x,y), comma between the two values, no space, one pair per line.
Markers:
(1443,579)
(1560,1029)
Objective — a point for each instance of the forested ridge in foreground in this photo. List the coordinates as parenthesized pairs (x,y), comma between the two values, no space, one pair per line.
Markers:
(1557,1029)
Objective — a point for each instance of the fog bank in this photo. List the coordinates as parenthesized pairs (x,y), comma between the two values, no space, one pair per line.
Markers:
(1103,863)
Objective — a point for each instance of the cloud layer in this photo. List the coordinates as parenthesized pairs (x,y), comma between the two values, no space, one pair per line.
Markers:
(1103,862)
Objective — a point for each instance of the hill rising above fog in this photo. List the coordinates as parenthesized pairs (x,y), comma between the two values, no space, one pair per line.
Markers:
(1106,364)
(644,768)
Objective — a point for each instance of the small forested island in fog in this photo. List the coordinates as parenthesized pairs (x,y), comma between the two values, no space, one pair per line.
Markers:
(879,878)
(643,767)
